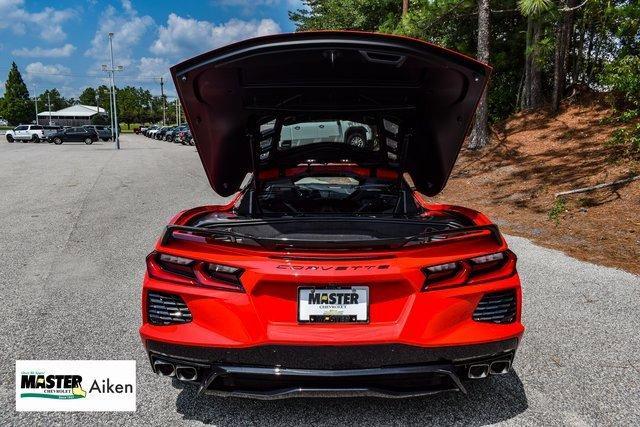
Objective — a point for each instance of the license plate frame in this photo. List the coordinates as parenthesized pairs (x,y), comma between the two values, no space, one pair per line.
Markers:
(337,318)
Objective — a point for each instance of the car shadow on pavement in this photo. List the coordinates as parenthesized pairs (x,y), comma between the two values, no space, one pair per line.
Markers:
(488,401)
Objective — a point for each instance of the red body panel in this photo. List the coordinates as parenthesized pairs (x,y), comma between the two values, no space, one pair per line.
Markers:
(266,313)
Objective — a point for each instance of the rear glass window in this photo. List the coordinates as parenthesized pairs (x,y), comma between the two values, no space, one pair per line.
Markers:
(297,134)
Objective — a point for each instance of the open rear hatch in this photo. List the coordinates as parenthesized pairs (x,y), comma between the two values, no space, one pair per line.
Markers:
(418,99)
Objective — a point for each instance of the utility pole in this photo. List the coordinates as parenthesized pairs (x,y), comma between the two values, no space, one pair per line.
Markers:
(35,97)
(114,111)
(49,102)
(113,91)
(164,105)
(177,114)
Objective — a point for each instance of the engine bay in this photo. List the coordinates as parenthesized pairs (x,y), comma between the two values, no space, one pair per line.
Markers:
(329,195)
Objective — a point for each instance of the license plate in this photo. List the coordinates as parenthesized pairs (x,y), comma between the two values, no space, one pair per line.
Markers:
(333,305)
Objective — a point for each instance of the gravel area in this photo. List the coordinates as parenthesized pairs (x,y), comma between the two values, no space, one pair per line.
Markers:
(77,222)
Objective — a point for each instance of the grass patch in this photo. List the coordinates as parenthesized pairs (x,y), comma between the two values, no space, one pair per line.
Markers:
(559,206)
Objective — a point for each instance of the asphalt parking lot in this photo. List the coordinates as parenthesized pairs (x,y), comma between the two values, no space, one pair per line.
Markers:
(76,222)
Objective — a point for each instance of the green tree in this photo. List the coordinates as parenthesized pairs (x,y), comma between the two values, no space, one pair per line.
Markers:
(18,106)
(103,93)
(127,104)
(57,101)
(88,96)
(367,15)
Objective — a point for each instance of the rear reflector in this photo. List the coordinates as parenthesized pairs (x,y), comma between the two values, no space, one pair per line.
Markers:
(496,307)
(167,309)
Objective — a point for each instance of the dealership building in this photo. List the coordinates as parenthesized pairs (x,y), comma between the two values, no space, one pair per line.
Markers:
(76,115)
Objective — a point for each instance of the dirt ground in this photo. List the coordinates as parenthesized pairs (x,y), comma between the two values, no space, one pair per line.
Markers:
(532,157)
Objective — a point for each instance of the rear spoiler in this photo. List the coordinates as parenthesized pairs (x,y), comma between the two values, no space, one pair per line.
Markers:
(213,235)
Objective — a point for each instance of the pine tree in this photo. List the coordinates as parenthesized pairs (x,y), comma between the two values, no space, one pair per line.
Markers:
(88,96)
(18,106)
(480,136)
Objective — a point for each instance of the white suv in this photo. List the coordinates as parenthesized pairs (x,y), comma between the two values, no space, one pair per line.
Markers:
(33,133)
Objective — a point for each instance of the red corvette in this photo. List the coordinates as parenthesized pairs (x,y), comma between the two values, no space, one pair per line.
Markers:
(329,272)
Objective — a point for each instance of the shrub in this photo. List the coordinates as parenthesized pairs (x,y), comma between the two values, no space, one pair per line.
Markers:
(623,77)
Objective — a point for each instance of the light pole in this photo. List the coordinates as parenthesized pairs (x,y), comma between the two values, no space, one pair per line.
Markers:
(114,111)
(35,97)
(164,101)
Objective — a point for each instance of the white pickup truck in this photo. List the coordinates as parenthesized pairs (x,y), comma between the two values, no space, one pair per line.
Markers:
(33,133)
(298,134)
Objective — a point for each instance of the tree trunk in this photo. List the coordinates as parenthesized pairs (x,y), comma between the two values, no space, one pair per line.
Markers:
(564,32)
(405,7)
(536,99)
(480,135)
(579,55)
(525,97)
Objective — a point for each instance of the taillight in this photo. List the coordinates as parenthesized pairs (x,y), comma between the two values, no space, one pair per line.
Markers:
(470,271)
(193,272)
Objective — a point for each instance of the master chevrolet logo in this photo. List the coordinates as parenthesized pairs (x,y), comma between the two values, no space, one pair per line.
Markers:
(54,386)
(333,298)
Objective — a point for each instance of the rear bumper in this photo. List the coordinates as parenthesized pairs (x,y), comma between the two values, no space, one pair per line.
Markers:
(330,357)
(275,372)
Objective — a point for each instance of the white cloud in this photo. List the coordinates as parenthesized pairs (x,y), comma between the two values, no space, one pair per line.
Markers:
(152,67)
(48,21)
(39,52)
(128,7)
(249,5)
(37,71)
(184,37)
(128,30)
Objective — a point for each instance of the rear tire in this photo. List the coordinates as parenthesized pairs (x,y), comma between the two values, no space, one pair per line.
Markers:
(88,141)
(57,141)
(35,139)
(357,139)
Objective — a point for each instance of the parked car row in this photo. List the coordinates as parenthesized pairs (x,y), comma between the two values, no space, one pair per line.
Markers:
(178,134)
(58,134)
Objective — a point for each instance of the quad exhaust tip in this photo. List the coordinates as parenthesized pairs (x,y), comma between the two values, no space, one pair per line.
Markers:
(482,370)
(478,371)
(186,373)
(165,369)
(500,367)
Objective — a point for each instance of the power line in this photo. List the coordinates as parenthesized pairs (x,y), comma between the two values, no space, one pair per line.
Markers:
(99,76)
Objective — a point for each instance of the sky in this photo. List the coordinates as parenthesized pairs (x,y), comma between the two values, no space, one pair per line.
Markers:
(63,43)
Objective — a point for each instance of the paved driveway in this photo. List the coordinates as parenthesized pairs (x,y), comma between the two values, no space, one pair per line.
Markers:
(76,222)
